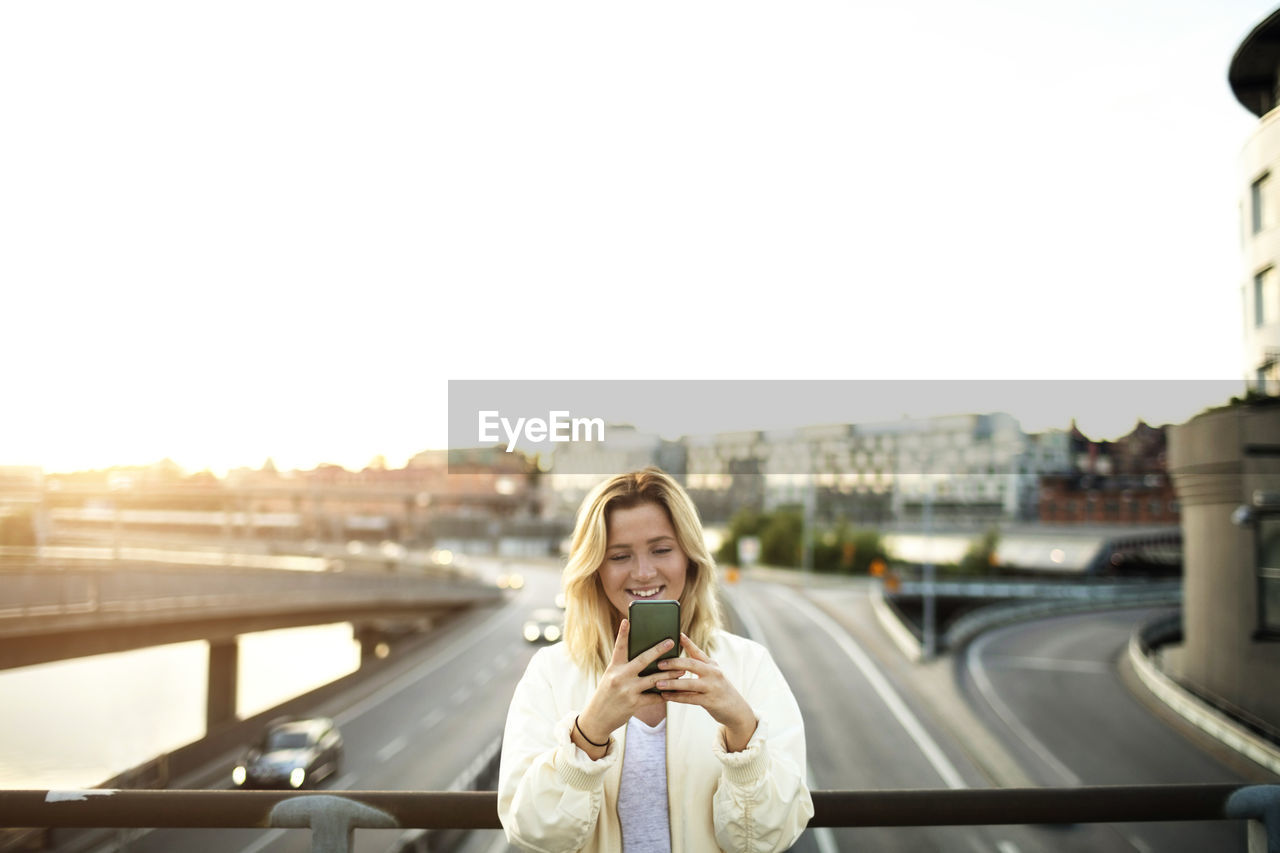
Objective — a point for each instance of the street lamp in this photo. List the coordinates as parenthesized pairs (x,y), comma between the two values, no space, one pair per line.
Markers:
(929,632)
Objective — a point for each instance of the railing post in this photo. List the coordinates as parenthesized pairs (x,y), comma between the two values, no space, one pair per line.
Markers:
(1260,805)
(332,820)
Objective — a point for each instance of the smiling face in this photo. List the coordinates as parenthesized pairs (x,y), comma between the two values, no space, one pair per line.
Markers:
(643,560)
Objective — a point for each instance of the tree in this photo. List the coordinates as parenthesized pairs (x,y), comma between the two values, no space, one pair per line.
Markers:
(781,538)
(745,522)
(980,558)
(842,548)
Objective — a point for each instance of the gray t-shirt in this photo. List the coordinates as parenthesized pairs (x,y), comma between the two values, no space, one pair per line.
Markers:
(642,793)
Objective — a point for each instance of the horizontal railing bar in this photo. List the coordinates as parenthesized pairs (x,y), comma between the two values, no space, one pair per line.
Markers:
(106,808)
(995,806)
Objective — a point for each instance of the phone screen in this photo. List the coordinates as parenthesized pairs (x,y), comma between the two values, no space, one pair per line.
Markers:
(651,623)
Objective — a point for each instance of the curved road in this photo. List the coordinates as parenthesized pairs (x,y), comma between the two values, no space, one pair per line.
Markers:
(1056,689)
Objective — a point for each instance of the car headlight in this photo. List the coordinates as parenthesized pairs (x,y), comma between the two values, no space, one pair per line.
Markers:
(298,776)
(238,775)
(531,632)
(552,633)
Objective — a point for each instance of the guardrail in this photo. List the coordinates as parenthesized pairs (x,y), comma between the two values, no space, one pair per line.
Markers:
(332,818)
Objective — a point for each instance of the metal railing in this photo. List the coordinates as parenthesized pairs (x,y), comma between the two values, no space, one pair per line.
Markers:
(333,818)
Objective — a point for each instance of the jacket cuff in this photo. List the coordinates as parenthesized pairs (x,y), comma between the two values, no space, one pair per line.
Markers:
(750,764)
(573,765)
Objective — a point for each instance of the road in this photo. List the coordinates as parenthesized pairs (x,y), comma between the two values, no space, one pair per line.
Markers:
(1048,697)
(1055,688)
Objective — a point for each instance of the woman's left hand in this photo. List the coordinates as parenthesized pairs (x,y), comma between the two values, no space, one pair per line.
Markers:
(712,691)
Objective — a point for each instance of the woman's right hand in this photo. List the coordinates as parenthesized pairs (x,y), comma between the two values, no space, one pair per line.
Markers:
(620,695)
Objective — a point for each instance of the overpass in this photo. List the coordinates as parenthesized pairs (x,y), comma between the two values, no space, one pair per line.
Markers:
(1065,549)
(59,608)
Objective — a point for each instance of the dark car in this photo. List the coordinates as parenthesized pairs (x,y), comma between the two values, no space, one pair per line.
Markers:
(292,753)
(544,624)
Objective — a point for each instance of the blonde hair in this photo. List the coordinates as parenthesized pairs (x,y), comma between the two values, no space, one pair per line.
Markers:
(591,622)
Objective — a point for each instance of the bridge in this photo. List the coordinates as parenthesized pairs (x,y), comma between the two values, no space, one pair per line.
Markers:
(61,603)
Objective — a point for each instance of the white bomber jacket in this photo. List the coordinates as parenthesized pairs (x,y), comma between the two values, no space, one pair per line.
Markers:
(553,798)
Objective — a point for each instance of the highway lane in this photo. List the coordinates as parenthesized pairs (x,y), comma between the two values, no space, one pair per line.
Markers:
(1056,688)
(865,729)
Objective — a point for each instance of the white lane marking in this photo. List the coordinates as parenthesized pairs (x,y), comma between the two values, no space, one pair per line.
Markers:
(1139,845)
(122,840)
(464,780)
(1006,847)
(263,841)
(483,676)
(909,722)
(893,626)
(392,748)
(747,616)
(1089,667)
(822,836)
(431,719)
(460,695)
(973,660)
(413,676)
(499,844)
(344,782)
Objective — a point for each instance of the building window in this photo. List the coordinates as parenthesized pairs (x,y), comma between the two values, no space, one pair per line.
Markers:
(1266,297)
(1258,203)
(1269,574)
(1259,298)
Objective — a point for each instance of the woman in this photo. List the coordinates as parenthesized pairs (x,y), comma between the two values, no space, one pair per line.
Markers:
(590,761)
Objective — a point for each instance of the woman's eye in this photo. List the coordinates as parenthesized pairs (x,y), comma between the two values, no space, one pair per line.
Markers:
(619,557)
(662,551)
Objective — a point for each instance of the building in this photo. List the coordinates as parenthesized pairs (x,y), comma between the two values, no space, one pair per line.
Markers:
(1112,482)
(965,470)
(577,467)
(1224,463)
(1254,75)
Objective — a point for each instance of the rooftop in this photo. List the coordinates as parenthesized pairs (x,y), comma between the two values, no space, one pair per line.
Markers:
(1256,65)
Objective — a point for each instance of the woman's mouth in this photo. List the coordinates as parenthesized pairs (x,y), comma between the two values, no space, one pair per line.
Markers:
(646,594)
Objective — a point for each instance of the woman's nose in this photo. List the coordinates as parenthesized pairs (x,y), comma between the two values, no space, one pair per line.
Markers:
(644,568)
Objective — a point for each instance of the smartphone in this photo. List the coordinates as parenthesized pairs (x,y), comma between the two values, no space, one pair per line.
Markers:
(651,623)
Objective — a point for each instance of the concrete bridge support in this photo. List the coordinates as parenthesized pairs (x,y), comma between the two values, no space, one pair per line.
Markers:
(1226,468)
(224,667)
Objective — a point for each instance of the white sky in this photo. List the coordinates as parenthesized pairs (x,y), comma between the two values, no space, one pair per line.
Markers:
(237,230)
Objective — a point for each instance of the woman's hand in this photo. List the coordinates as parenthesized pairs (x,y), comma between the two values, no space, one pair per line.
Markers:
(711,690)
(620,694)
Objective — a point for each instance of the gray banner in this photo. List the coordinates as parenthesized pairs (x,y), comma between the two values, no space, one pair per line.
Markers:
(781,427)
